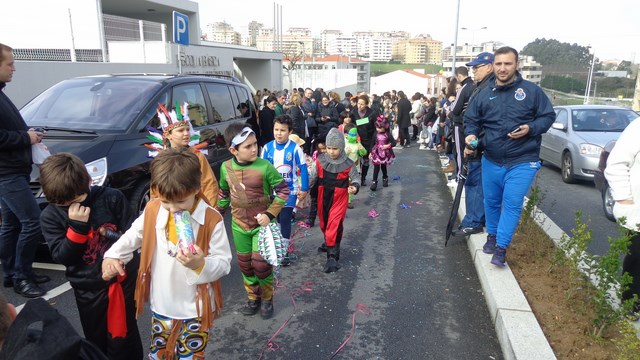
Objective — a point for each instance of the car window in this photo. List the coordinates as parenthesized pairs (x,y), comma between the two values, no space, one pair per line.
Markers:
(244,98)
(151,117)
(90,104)
(602,119)
(192,95)
(221,102)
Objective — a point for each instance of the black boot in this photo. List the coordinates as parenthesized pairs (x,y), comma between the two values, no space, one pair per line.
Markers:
(332,261)
(374,185)
(385,181)
(363,177)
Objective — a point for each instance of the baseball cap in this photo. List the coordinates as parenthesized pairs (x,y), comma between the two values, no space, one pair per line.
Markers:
(481,59)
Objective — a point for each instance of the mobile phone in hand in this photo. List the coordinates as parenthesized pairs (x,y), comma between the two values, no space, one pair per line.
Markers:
(515,131)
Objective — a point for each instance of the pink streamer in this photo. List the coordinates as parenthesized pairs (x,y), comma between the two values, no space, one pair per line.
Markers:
(306,287)
(360,308)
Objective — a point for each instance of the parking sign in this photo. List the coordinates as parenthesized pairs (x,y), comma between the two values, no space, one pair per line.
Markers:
(180,28)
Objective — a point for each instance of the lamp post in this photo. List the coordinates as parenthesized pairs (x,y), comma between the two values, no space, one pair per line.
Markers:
(455,41)
(589,78)
(473,33)
(304,71)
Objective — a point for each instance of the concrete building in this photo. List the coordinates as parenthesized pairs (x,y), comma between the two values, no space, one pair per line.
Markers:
(119,36)
(333,72)
(419,50)
(530,69)
(223,33)
(328,37)
(409,81)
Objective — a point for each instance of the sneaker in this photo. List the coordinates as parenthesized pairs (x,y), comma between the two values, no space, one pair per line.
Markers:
(266,309)
(251,308)
(385,182)
(398,147)
(322,248)
(467,230)
(452,183)
(374,185)
(448,168)
(286,261)
(331,265)
(422,147)
(498,256)
(407,146)
(490,246)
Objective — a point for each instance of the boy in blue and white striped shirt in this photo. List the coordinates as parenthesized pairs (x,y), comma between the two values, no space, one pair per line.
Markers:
(287,157)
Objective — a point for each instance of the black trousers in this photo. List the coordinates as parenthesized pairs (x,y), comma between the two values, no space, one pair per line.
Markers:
(458,144)
(313,207)
(92,307)
(376,171)
(631,265)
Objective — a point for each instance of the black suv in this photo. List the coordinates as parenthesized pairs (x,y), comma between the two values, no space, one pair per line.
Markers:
(105,121)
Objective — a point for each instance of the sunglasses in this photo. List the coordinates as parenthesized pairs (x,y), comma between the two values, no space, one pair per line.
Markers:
(475,68)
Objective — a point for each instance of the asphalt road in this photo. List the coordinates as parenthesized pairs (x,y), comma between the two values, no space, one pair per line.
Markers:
(420,300)
(561,201)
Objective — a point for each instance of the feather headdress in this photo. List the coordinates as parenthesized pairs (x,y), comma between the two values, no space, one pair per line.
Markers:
(170,120)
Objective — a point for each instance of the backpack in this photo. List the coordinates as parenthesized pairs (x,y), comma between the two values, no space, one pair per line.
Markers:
(41,332)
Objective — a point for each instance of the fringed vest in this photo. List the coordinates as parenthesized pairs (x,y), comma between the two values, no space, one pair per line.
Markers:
(143,284)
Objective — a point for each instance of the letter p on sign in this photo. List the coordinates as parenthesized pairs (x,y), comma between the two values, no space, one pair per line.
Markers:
(180,28)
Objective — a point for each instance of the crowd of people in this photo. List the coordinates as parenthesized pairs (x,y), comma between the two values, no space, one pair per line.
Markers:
(301,147)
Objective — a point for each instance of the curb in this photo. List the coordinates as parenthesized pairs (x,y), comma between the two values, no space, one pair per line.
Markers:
(518,330)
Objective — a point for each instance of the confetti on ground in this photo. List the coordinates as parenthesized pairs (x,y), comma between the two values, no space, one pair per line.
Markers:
(418,202)
(395,178)
(405,206)
(373,213)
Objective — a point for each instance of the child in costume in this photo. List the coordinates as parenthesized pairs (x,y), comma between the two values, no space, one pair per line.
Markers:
(345,118)
(247,184)
(177,133)
(334,171)
(381,152)
(353,149)
(184,253)
(321,148)
(80,224)
(287,157)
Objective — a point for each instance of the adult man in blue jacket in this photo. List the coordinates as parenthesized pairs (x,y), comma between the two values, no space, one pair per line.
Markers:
(514,113)
(20,231)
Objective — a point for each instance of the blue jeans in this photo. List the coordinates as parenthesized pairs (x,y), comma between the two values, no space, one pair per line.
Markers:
(20,231)
(504,192)
(473,197)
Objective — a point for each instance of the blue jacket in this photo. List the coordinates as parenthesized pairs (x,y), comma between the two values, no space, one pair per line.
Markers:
(499,109)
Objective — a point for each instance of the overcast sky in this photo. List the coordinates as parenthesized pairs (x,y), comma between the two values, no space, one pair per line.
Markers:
(611,27)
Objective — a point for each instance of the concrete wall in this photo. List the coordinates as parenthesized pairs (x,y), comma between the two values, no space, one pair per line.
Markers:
(258,69)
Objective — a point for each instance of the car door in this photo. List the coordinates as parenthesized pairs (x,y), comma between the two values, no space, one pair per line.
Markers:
(552,140)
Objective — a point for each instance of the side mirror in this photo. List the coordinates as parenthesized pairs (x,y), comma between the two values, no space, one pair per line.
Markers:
(558,126)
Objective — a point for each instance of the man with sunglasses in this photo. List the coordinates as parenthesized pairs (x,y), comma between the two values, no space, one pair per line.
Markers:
(473,221)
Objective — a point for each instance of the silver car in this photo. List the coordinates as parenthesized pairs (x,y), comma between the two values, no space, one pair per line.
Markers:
(576,139)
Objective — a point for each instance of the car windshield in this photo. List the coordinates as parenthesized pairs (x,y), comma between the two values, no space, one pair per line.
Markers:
(598,120)
(109,103)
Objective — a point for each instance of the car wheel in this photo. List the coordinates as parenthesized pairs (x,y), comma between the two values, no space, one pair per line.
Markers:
(139,198)
(567,169)
(607,203)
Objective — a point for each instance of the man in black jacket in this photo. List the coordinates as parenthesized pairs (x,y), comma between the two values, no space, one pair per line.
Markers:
(457,112)
(473,221)
(20,231)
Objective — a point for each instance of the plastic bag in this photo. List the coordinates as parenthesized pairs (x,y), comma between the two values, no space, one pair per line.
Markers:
(39,152)
(395,131)
(305,203)
(271,245)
